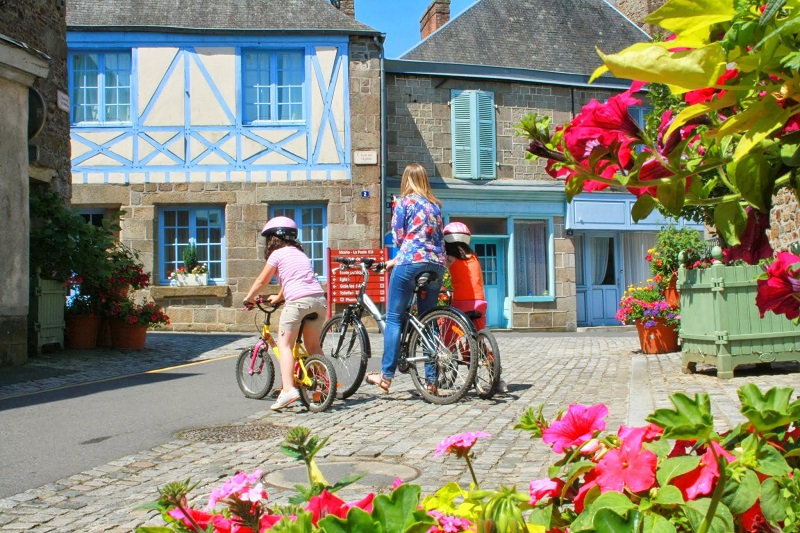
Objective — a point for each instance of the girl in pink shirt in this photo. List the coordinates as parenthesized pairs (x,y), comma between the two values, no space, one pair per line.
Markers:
(303,294)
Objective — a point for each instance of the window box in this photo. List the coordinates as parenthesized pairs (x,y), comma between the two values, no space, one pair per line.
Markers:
(191,280)
(720,323)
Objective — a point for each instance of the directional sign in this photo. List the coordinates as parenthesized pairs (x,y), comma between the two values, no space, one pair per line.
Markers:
(343,285)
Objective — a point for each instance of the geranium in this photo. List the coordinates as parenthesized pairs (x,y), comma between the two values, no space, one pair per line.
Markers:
(460,445)
(144,314)
(674,247)
(779,287)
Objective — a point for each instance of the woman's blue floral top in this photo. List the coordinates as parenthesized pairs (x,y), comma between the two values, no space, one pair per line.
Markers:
(418,230)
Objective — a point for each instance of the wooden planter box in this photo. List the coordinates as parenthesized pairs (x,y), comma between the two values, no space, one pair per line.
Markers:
(720,323)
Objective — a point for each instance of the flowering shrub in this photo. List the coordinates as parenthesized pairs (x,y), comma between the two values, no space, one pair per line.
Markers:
(127,270)
(779,287)
(144,314)
(646,303)
(675,474)
(665,257)
(727,139)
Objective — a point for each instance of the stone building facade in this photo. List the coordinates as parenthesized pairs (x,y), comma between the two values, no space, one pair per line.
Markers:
(32,154)
(190,148)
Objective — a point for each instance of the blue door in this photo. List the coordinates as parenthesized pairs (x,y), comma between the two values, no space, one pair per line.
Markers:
(491,252)
(602,275)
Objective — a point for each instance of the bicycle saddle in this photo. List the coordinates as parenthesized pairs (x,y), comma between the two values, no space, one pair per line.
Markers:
(423,278)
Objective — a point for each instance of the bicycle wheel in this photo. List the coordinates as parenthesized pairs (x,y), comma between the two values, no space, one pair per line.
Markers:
(346,345)
(440,359)
(258,384)
(320,395)
(487,375)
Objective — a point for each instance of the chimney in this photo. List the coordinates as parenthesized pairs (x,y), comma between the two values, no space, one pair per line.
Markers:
(436,16)
(348,7)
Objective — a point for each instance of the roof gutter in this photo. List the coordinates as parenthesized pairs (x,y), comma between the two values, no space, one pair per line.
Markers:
(218,31)
(461,70)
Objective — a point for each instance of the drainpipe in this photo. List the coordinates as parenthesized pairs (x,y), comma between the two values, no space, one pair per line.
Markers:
(379,40)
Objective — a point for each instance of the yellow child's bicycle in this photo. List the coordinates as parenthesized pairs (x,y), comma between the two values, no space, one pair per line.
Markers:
(314,375)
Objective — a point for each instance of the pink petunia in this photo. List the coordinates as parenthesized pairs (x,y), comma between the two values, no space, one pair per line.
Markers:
(239,484)
(544,488)
(577,426)
(460,444)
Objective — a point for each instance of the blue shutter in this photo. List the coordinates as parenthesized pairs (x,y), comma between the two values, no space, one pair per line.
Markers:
(485,135)
(461,107)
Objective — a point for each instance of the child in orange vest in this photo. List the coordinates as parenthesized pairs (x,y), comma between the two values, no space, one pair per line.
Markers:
(466,277)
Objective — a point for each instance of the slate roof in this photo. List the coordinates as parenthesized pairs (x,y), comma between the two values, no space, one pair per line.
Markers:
(221,15)
(552,35)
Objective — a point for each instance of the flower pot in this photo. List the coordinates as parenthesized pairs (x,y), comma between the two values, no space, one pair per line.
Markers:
(104,333)
(660,338)
(671,294)
(126,336)
(82,331)
(189,280)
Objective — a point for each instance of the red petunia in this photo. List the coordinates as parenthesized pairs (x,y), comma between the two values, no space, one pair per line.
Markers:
(327,504)
(700,481)
(780,292)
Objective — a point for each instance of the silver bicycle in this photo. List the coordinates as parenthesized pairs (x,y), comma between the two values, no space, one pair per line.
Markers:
(435,347)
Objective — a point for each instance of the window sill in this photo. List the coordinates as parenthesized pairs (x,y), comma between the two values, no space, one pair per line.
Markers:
(188,291)
(520,299)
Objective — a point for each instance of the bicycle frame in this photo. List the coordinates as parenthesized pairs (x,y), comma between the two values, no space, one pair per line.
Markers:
(299,352)
(364,302)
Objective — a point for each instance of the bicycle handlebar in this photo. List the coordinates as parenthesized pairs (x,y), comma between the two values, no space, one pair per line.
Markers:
(367,262)
(268,308)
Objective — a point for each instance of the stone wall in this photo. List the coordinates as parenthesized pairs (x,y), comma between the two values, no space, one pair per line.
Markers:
(637,10)
(784,228)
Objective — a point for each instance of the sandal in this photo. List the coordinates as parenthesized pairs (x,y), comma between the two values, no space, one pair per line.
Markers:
(377,379)
(432,389)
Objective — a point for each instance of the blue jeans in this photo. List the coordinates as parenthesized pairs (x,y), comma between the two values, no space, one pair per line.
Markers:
(401,289)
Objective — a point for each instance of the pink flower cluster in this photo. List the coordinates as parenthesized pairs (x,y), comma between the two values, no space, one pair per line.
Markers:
(460,444)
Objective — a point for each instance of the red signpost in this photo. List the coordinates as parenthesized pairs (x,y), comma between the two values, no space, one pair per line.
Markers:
(343,285)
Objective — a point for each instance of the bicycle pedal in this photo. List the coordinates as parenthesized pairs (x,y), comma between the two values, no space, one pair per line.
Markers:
(402,366)
(276,393)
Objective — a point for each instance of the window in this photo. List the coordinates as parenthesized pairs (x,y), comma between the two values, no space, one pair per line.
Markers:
(93,216)
(473,135)
(273,85)
(311,223)
(203,226)
(101,87)
(531,258)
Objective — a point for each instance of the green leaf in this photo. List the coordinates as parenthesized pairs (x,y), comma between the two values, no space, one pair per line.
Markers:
(607,521)
(396,512)
(660,447)
(672,195)
(613,502)
(694,17)
(542,516)
(771,462)
(769,410)
(669,495)
(754,179)
(769,118)
(673,467)
(773,7)
(740,496)
(153,529)
(681,71)
(773,504)
(356,521)
(443,500)
(698,110)
(790,154)
(696,511)
(654,523)
(643,207)
(573,187)
(691,418)
(730,219)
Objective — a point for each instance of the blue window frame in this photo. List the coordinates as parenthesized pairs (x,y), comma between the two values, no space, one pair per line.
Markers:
(100,85)
(272,83)
(312,228)
(202,226)
(474,135)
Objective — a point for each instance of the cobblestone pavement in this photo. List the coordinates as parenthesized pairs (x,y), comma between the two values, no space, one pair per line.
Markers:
(394,435)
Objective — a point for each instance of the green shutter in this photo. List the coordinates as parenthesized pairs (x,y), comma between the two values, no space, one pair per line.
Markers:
(485,135)
(473,135)
(461,107)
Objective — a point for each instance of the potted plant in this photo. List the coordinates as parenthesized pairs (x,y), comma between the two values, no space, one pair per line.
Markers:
(130,321)
(82,315)
(193,272)
(664,257)
(656,319)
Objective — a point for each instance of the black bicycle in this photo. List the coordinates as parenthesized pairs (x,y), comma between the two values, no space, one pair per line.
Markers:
(435,347)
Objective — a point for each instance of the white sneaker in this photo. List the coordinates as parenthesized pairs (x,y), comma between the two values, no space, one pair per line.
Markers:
(502,388)
(286,397)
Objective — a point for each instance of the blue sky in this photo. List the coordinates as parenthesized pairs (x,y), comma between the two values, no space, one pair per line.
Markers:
(399,20)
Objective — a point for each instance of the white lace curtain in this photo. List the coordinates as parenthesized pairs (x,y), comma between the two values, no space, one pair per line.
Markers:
(635,246)
(530,248)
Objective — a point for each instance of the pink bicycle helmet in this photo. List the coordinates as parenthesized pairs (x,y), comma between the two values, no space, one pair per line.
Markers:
(456,232)
(283,227)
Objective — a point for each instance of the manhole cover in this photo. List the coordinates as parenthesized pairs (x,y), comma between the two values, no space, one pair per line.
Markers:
(237,433)
(378,474)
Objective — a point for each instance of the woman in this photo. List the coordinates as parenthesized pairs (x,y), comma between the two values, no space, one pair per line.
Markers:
(418,234)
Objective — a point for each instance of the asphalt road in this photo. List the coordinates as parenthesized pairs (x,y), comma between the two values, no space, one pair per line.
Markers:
(54,434)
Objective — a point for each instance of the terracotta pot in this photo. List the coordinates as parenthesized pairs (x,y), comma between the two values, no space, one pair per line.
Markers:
(671,294)
(658,339)
(104,333)
(126,336)
(82,331)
